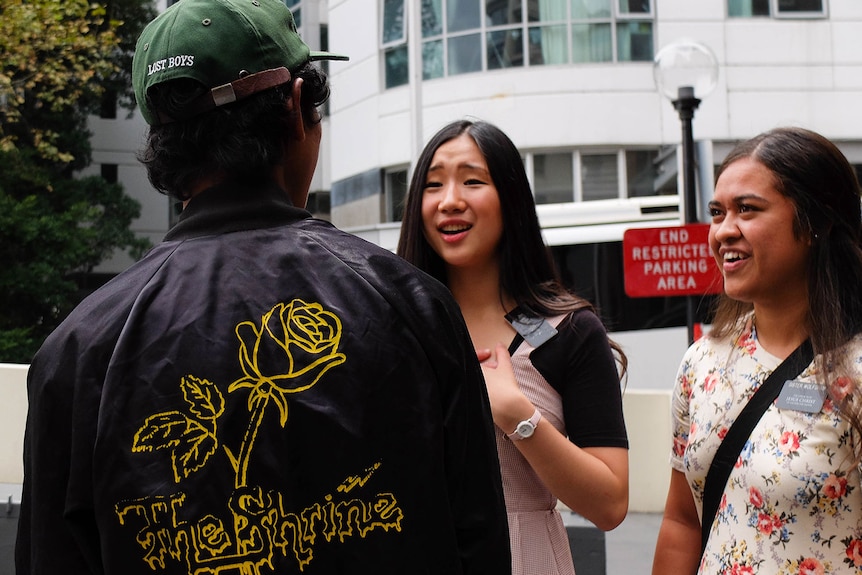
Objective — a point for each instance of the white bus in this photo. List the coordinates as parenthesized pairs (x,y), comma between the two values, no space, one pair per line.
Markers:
(585,239)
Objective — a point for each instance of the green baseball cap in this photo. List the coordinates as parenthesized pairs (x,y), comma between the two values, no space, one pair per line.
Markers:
(235,47)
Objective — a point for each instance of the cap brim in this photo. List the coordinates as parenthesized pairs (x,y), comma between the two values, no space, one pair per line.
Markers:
(315,56)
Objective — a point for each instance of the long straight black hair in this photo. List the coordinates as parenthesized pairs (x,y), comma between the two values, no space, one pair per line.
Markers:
(527,271)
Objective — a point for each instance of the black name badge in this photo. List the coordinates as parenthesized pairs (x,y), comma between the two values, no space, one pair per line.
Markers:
(801,396)
(534,330)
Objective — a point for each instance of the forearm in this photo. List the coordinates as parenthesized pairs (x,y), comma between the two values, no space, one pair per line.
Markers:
(677,549)
(678,546)
(592,482)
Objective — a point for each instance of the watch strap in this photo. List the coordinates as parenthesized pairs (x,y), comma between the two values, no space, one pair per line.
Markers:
(533,422)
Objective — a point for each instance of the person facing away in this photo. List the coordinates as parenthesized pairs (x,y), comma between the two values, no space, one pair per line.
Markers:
(470,221)
(786,232)
(261,393)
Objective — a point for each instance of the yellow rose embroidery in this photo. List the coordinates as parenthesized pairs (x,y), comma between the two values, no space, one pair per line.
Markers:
(287,352)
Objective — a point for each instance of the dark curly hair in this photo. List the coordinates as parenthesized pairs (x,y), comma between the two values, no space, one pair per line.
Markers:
(241,141)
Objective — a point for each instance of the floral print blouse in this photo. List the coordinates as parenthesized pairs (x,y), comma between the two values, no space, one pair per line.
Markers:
(793,503)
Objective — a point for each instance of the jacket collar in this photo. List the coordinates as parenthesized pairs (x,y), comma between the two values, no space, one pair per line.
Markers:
(230,208)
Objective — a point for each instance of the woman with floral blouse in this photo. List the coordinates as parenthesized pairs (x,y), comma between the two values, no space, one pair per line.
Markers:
(786,232)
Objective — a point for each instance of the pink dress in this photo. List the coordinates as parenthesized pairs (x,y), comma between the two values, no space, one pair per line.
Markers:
(579,360)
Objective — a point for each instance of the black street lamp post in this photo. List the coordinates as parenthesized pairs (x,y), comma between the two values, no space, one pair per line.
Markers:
(684,72)
(686,104)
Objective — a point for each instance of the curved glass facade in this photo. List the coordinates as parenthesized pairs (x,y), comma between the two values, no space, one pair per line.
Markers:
(468,36)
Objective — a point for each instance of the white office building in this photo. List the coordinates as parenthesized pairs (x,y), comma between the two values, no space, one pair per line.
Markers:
(572,83)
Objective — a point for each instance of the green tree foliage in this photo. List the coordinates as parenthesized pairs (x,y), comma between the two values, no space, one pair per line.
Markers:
(58,60)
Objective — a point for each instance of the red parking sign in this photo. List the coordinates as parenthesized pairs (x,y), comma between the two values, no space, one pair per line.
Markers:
(669,262)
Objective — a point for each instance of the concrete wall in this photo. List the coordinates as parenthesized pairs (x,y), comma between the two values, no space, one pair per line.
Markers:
(646,412)
(13,416)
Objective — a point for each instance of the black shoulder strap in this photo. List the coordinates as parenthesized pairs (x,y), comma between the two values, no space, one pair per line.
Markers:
(728,452)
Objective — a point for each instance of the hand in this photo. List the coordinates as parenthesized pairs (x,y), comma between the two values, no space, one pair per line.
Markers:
(509,405)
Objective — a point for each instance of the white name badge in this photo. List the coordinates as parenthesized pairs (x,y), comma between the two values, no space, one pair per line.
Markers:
(801,396)
(535,330)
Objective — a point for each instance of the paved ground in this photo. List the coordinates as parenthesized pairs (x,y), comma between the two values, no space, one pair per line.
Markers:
(627,550)
(630,546)
(8,527)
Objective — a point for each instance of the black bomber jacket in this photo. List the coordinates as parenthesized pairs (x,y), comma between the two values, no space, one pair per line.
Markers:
(261,393)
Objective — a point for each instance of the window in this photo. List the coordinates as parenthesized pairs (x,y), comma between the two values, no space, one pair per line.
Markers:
(553,178)
(599,177)
(110,173)
(651,173)
(394,42)
(296,9)
(319,205)
(394,22)
(467,36)
(612,31)
(563,177)
(395,185)
(108,105)
(799,7)
(748,8)
(777,8)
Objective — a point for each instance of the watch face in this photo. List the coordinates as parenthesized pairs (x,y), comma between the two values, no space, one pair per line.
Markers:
(525,429)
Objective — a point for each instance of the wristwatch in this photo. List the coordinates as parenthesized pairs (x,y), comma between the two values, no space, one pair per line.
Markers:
(526,428)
